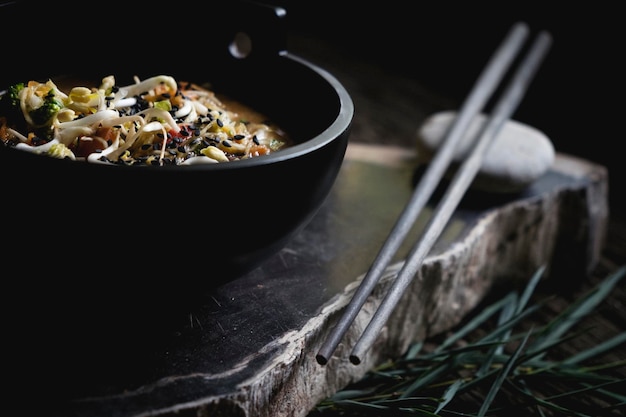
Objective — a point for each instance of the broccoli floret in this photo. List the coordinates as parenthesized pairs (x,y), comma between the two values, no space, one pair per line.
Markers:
(10,100)
(43,114)
(14,93)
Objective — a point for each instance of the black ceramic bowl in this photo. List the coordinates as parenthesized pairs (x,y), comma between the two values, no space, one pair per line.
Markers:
(101,263)
(197,225)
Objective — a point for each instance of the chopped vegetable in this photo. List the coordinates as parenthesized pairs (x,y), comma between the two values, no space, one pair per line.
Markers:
(155,121)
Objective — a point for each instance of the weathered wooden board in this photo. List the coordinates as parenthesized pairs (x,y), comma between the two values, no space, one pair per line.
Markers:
(248,347)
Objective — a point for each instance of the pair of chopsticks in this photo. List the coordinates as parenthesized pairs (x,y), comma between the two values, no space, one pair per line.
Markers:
(484,87)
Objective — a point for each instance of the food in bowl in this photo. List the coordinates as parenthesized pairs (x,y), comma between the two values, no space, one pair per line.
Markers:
(155,121)
(199,224)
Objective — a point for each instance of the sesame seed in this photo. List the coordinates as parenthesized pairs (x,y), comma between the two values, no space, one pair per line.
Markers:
(226,143)
(219,123)
(255,140)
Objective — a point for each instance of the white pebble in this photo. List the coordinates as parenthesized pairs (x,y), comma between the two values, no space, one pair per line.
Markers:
(517,157)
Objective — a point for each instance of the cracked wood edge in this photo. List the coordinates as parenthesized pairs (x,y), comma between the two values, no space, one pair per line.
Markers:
(448,286)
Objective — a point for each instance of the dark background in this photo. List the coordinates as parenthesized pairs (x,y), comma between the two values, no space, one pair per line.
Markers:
(576,97)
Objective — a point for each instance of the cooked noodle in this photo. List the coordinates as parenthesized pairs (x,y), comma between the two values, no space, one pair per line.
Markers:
(156,121)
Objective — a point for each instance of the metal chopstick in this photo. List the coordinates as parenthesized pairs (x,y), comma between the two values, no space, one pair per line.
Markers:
(460,183)
(485,85)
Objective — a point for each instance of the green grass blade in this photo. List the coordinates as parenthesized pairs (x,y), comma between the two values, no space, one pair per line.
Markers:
(619,397)
(428,377)
(445,355)
(477,321)
(509,311)
(541,403)
(424,383)
(449,394)
(572,315)
(606,365)
(596,350)
(414,350)
(503,329)
(595,388)
(533,359)
(384,409)
(530,289)
(495,388)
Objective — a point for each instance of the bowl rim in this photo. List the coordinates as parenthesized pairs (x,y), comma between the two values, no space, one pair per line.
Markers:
(334,131)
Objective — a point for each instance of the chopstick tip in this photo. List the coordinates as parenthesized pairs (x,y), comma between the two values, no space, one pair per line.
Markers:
(355,359)
(521,27)
(321,359)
